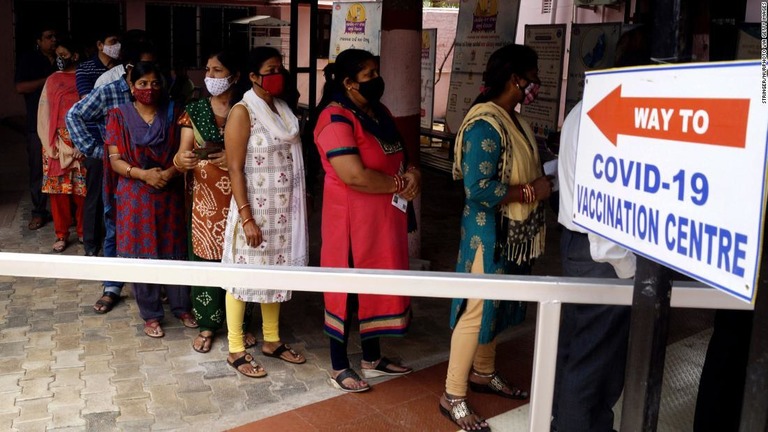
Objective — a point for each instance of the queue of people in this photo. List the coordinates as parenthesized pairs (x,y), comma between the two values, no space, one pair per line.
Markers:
(222,179)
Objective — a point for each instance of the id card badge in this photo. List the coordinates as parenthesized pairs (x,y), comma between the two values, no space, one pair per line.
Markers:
(399,202)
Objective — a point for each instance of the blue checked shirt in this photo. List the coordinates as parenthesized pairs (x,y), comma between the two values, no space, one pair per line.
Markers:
(87,119)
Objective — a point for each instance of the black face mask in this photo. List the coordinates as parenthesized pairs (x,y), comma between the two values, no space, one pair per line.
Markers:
(372,90)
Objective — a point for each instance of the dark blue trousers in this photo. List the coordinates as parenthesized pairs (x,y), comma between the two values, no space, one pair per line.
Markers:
(592,349)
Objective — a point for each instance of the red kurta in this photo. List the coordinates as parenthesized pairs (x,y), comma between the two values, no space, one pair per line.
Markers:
(150,222)
(361,229)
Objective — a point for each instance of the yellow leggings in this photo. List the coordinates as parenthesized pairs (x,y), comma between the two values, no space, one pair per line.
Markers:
(466,352)
(235,309)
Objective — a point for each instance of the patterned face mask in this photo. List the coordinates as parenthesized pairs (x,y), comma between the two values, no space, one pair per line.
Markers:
(113,51)
(217,86)
(531,92)
(63,63)
(147,96)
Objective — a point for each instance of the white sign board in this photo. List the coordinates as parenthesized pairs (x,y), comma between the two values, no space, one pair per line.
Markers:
(593,46)
(549,43)
(675,171)
(428,52)
(355,25)
(483,27)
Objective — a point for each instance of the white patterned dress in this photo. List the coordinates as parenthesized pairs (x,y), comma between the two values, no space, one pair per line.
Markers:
(274,172)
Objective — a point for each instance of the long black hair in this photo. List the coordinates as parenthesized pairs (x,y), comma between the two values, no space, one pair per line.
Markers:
(503,63)
(347,65)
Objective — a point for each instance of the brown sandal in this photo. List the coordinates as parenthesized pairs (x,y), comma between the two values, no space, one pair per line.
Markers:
(294,358)
(152,329)
(188,320)
(248,359)
(205,346)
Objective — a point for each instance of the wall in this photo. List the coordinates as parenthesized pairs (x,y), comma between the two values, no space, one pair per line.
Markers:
(444,20)
(13,103)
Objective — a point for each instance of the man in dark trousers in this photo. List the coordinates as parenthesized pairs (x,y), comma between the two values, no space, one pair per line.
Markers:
(592,347)
(31,73)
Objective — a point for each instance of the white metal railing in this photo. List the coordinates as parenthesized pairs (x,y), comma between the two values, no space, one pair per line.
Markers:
(549,292)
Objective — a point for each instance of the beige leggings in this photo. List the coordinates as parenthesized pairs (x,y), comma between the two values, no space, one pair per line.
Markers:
(270,315)
(466,353)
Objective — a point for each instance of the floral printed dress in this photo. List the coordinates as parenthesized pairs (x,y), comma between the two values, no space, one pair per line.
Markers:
(274,173)
(483,193)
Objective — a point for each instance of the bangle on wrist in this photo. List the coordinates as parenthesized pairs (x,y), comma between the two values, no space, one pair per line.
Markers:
(243,206)
(250,219)
(128,171)
(176,164)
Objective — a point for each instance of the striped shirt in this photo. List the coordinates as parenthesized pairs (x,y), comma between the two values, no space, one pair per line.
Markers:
(87,119)
(87,73)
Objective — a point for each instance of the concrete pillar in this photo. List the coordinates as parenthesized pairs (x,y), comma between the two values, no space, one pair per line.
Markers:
(401,70)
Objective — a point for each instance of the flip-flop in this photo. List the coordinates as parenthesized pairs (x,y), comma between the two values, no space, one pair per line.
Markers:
(245,341)
(205,347)
(278,354)
(152,329)
(382,369)
(247,358)
(188,320)
(104,305)
(338,382)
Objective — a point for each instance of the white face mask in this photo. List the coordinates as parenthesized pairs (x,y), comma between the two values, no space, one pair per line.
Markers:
(217,86)
(113,51)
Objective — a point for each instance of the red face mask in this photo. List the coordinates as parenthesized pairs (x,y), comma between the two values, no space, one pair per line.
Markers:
(147,96)
(273,83)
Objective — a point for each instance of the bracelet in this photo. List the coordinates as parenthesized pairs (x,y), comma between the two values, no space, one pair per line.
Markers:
(176,164)
(243,206)
(128,171)
(399,184)
(117,155)
(250,219)
(529,193)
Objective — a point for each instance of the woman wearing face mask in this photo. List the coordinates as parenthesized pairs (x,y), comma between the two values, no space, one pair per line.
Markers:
(202,153)
(63,170)
(267,219)
(367,178)
(142,139)
(502,228)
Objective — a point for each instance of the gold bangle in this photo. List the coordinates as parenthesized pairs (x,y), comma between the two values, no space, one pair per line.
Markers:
(243,206)
(128,171)
(176,164)
(250,219)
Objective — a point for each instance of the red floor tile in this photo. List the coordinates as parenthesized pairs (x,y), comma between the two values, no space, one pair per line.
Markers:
(326,414)
(287,421)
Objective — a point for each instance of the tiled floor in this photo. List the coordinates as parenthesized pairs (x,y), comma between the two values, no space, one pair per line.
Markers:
(64,368)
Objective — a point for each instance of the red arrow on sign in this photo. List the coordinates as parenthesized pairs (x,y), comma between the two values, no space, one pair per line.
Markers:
(721,122)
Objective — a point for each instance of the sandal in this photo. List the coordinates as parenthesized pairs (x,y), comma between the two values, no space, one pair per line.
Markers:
(59,245)
(459,410)
(188,320)
(295,357)
(37,222)
(338,382)
(152,329)
(496,386)
(248,359)
(106,303)
(382,369)
(249,337)
(206,342)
